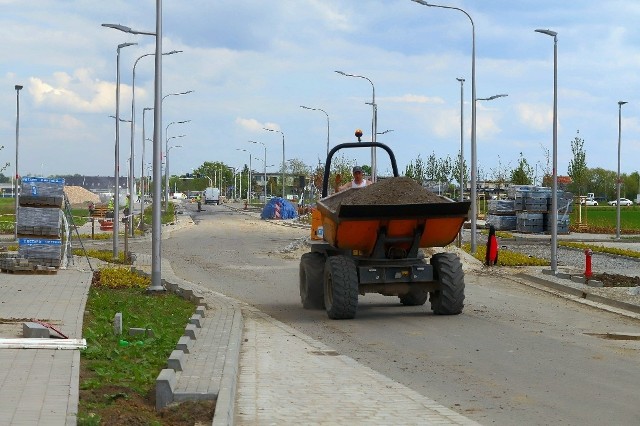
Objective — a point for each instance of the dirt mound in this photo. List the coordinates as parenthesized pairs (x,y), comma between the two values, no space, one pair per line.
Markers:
(395,190)
(77,195)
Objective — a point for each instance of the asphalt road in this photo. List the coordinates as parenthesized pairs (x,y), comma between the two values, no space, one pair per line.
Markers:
(516,355)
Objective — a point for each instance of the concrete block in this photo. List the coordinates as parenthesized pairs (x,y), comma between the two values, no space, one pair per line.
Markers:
(35,330)
(190,331)
(184,344)
(175,360)
(197,299)
(117,324)
(196,320)
(594,283)
(578,279)
(165,384)
(187,294)
(147,332)
(200,310)
(171,287)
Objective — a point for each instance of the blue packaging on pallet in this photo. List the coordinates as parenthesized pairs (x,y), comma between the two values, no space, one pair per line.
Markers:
(40,248)
(42,187)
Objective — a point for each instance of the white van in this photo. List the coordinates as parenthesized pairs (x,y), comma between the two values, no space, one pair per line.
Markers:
(211,195)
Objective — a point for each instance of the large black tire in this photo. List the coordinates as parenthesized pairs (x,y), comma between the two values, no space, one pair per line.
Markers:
(340,287)
(312,280)
(449,299)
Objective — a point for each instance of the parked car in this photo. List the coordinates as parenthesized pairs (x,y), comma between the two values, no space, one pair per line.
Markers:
(623,202)
(590,203)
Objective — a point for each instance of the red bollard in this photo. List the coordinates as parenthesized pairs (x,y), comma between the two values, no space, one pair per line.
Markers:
(587,266)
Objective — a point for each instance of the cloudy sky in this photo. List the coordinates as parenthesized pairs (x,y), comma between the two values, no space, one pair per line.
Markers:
(252,63)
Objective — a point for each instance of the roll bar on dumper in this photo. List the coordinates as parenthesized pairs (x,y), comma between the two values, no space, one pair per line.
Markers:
(377,249)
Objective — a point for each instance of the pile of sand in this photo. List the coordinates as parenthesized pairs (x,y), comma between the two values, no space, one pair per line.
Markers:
(77,195)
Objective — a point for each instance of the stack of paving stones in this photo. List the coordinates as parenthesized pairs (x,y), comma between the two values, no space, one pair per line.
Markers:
(528,210)
(501,214)
(39,227)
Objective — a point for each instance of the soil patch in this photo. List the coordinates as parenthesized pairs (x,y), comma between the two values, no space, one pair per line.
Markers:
(390,191)
(614,280)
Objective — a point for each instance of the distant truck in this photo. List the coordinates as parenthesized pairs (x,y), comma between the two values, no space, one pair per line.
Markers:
(211,195)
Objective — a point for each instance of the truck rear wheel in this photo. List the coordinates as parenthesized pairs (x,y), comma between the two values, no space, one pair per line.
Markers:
(449,298)
(340,287)
(312,280)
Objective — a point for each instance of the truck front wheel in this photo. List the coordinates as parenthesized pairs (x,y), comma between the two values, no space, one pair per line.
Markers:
(340,287)
(449,298)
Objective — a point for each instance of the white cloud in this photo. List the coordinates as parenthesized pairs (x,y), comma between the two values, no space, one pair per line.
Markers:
(76,93)
(254,125)
(410,98)
(536,117)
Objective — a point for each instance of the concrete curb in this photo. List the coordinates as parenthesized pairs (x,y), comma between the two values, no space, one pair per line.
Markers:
(580,294)
(168,378)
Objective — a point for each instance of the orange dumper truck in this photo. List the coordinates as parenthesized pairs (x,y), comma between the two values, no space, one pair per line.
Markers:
(373,245)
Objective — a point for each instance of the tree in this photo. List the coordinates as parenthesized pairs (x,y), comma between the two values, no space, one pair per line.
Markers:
(499,174)
(416,171)
(523,174)
(457,165)
(578,166)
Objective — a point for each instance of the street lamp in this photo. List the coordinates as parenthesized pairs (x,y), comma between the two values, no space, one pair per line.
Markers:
(283,161)
(620,103)
(18,88)
(133,126)
(554,188)
(474,172)
(116,198)
(374,123)
(461,80)
(249,181)
(384,132)
(325,113)
(156,237)
(142,191)
(166,147)
(265,169)
(166,168)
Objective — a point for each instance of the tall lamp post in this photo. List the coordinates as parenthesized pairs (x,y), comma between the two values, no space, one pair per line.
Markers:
(249,181)
(554,187)
(620,103)
(144,110)
(325,113)
(133,126)
(283,161)
(15,190)
(265,168)
(116,197)
(461,80)
(474,172)
(374,123)
(169,148)
(166,147)
(156,237)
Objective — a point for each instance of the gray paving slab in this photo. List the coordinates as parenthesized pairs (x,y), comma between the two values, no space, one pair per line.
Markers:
(40,386)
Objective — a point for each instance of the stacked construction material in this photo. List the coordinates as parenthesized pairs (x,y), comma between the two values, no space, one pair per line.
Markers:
(501,214)
(533,209)
(40,221)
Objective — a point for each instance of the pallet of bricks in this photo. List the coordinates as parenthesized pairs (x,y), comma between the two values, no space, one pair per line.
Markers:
(39,227)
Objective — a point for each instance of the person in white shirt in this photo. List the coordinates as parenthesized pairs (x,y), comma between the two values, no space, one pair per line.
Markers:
(358,180)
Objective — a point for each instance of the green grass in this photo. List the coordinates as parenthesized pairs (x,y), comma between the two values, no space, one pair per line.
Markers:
(601,249)
(121,363)
(506,257)
(604,218)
